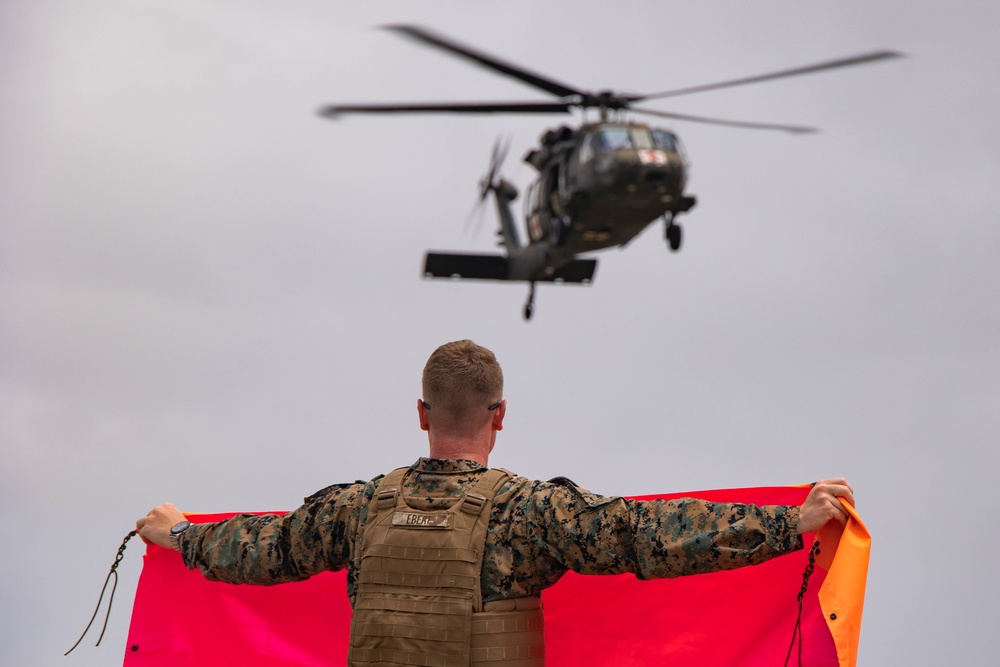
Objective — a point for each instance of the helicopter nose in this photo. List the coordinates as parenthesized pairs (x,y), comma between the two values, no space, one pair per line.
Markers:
(663,177)
(656,178)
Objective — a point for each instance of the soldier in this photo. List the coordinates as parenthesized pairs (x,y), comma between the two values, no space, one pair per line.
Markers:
(447,558)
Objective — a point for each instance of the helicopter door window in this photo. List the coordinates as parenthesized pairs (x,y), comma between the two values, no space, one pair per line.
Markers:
(613,138)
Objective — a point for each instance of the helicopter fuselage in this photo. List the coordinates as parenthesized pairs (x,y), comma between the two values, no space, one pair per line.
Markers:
(598,186)
(601,185)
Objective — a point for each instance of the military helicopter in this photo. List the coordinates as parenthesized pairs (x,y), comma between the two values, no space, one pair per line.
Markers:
(599,185)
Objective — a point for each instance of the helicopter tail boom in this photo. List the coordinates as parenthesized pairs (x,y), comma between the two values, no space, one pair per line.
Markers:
(497,267)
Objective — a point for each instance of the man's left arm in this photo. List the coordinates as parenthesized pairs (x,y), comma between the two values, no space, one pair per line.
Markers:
(592,534)
(696,536)
(692,536)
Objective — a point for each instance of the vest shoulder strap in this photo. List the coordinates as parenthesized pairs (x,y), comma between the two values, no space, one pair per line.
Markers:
(497,477)
(484,492)
(386,491)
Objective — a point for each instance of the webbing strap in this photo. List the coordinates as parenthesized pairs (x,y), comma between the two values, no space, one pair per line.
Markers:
(410,580)
(511,656)
(384,656)
(412,630)
(422,553)
(395,603)
(513,604)
(503,622)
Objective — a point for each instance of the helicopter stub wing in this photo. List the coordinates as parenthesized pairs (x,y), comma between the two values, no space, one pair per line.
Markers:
(497,267)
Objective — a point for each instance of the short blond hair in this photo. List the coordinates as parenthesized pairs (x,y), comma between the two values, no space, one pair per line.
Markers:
(462,378)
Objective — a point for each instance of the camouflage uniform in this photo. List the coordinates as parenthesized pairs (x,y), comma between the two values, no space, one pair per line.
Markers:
(537,531)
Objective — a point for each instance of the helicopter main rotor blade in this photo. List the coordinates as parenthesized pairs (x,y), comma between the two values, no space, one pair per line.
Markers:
(808,69)
(794,129)
(490,62)
(335,110)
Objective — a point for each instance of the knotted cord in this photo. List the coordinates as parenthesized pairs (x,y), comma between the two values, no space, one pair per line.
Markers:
(797,632)
(111,598)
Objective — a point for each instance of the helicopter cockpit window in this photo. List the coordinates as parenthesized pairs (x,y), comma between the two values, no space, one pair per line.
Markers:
(613,138)
(666,141)
(641,138)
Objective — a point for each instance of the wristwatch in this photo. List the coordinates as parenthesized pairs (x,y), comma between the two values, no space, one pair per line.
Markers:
(175,532)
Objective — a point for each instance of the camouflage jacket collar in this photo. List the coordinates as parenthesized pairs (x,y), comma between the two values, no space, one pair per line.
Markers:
(456,466)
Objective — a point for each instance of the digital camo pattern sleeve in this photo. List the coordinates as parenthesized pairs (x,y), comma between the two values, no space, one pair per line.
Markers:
(592,534)
(273,549)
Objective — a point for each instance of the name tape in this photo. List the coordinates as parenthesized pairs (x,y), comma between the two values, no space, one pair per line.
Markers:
(440,520)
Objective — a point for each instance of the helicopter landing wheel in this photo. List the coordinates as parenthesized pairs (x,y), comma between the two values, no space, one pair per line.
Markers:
(530,305)
(674,236)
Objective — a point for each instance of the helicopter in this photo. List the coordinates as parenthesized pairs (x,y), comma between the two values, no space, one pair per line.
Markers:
(599,185)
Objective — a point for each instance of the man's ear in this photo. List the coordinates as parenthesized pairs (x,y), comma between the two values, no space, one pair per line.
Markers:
(498,415)
(425,424)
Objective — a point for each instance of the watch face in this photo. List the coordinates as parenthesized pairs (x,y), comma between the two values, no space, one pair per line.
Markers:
(180,527)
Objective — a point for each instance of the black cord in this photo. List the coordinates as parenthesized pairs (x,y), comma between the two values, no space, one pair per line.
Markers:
(797,631)
(111,598)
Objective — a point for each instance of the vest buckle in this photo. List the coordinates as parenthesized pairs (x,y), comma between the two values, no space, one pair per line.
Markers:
(386,499)
(474,503)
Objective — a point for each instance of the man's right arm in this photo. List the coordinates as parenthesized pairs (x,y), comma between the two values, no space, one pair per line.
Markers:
(272,549)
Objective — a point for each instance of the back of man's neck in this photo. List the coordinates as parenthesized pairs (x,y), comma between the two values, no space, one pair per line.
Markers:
(442,448)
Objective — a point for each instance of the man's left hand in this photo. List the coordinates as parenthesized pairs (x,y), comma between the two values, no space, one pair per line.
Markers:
(823,504)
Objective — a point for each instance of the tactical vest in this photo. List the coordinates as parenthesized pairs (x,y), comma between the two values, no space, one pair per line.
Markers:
(418,597)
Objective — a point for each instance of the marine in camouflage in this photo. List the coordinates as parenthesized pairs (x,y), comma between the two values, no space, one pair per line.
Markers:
(537,532)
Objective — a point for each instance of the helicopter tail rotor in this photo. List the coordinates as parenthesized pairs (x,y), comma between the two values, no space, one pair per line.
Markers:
(474,220)
(489,182)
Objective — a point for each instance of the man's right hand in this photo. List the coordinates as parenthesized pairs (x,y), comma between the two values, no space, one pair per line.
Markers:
(155,526)
(822,504)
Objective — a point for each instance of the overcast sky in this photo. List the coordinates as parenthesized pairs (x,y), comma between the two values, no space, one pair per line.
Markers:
(210,295)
